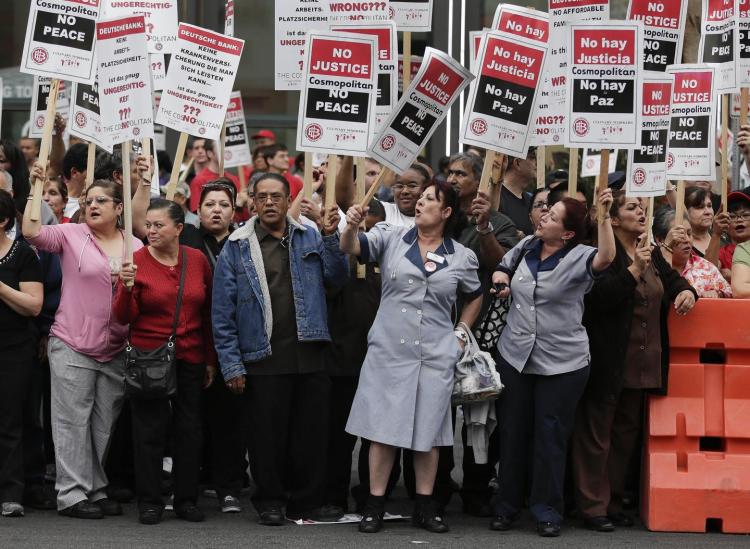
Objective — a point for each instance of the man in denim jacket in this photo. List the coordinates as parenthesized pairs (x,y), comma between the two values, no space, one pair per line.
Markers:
(270,328)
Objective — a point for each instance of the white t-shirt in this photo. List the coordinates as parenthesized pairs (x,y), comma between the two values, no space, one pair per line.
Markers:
(71,207)
(394,216)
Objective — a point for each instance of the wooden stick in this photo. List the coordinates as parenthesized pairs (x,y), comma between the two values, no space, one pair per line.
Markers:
(221,149)
(724,151)
(49,123)
(375,186)
(489,161)
(178,156)
(649,222)
(331,173)
(679,204)
(496,184)
(573,173)
(127,211)
(744,98)
(90,166)
(603,173)
(359,194)
(541,161)
(406,60)
(307,190)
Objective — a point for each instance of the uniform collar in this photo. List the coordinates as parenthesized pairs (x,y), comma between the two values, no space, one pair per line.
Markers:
(415,256)
(410,237)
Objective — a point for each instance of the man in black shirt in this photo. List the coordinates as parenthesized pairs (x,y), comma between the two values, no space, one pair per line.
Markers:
(515,201)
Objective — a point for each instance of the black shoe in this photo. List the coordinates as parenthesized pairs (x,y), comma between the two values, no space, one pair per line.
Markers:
(599,524)
(428,516)
(149,515)
(500,523)
(83,509)
(372,515)
(109,507)
(621,519)
(327,513)
(189,512)
(548,529)
(37,498)
(273,516)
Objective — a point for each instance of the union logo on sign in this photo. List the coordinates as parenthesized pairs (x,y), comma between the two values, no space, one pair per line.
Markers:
(39,56)
(590,163)
(159,46)
(639,177)
(387,142)
(581,127)
(136,131)
(39,121)
(201,130)
(227,155)
(670,160)
(313,132)
(479,126)
(80,119)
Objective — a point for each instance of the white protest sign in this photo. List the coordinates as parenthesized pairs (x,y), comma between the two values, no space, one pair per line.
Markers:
(552,114)
(236,144)
(736,105)
(475,41)
(592,161)
(337,104)
(387,64)
(39,95)
(160,132)
(424,105)
(647,166)
(199,81)
(743,59)
(720,42)
(416,62)
(500,110)
(347,11)
(412,15)
(160,16)
(124,79)
(663,31)
(61,39)
(692,137)
(158,70)
(85,118)
(229,18)
(293,19)
(604,93)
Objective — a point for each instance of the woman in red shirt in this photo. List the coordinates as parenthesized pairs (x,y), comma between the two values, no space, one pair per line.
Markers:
(148,305)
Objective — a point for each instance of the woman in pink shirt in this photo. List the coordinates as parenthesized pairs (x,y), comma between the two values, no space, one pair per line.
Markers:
(85,347)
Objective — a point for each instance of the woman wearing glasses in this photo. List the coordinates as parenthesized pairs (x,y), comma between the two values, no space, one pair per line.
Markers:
(85,346)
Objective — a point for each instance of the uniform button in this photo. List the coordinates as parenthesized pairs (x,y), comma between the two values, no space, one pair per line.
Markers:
(403,310)
(416,342)
(403,341)
(424,282)
(642,348)
(518,305)
(533,283)
(520,278)
(643,325)
(419,312)
(531,308)
(411,281)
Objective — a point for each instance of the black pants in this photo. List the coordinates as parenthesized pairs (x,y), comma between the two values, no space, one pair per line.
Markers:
(35,426)
(475,490)
(151,420)
(536,415)
(340,443)
(224,446)
(286,420)
(15,376)
(119,461)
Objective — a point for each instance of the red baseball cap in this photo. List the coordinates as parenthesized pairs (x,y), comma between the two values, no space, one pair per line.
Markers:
(264,134)
(739,196)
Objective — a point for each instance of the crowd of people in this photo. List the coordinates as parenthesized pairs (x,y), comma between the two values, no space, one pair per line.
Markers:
(300,329)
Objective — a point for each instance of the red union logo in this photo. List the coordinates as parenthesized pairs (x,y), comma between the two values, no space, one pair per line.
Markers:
(670,161)
(478,126)
(639,177)
(80,119)
(581,127)
(590,163)
(313,132)
(39,121)
(39,56)
(387,142)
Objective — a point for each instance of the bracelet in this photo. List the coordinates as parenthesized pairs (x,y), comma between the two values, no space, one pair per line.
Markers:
(487,230)
(463,326)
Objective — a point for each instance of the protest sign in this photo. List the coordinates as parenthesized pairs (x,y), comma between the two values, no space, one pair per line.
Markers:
(422,107)
(736,111)
(592,161)
(603,87)
(160,17)
(347,11)
(720,42)
(229,18)
(387,52)
(124,79)
(743,59)
(647,165)
(416,63)
(692,128)
(475,40)
(293,19)
(160,132)
(85,118)
(663,31)
(236,144)
(158,70)
(500,109)
(412,15)
(39,96)
(199,81)
(61,40)
(552,115)
(337,104)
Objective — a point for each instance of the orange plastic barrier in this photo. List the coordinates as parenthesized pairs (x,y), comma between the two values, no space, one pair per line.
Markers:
(697,458)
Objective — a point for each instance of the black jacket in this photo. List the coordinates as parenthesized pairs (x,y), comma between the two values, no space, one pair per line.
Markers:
(608,318)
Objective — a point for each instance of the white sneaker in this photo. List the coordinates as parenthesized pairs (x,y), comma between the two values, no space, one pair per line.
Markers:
(230,504)
(12,509)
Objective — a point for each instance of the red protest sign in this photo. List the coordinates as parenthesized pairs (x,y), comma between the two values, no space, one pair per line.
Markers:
(440,82)
(341,58)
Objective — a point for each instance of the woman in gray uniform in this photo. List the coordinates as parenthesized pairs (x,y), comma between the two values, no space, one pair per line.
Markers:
(404,393)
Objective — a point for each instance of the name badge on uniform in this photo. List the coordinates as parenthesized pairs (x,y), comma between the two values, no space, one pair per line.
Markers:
(435,257)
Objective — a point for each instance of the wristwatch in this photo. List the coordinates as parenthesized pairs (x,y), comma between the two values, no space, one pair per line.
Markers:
(488,230)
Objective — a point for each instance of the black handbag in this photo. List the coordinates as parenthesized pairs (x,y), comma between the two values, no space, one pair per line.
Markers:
(153,374)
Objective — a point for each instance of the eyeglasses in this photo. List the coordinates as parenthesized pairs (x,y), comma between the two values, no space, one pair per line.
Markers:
(410,186)
(539,205)
(741,216)
(275,198)
(100,200)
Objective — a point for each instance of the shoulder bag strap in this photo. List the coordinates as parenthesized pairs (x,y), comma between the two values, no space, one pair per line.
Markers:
(179,294)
